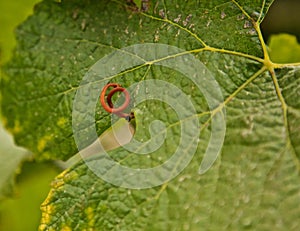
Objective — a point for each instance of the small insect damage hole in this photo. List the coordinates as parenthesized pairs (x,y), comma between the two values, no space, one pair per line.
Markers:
(139,5)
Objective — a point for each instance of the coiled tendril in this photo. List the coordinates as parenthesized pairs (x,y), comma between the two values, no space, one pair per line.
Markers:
(108,104)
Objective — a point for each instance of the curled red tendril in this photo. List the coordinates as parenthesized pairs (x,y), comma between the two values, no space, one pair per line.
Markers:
(109,107)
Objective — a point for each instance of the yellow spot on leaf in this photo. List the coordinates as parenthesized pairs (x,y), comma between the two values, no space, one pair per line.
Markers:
(59,180)
(17,128)
(4,121)
(43,142)
(47,210)
(57,183)
(45,205)
(89,211)
(62,174)
(70,176)
(47,155)
(62,178)
(61,122)
(66,228)
(45,227)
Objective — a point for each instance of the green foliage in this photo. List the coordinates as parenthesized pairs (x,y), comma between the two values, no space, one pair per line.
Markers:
(21,212)
(29,192)
(255,182)
(12,13)
(284,48)
(10,158)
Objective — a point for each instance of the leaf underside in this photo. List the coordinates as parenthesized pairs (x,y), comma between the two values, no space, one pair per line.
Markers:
(254,184)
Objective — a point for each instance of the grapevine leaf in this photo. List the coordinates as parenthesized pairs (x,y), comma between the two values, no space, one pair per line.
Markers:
(254,183)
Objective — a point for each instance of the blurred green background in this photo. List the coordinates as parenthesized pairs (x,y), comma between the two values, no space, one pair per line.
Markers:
(283,17)
(21,211)
(12,14)
(19,205)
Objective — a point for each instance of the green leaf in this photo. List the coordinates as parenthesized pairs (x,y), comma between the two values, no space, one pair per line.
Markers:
(13,12)
(254,184)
